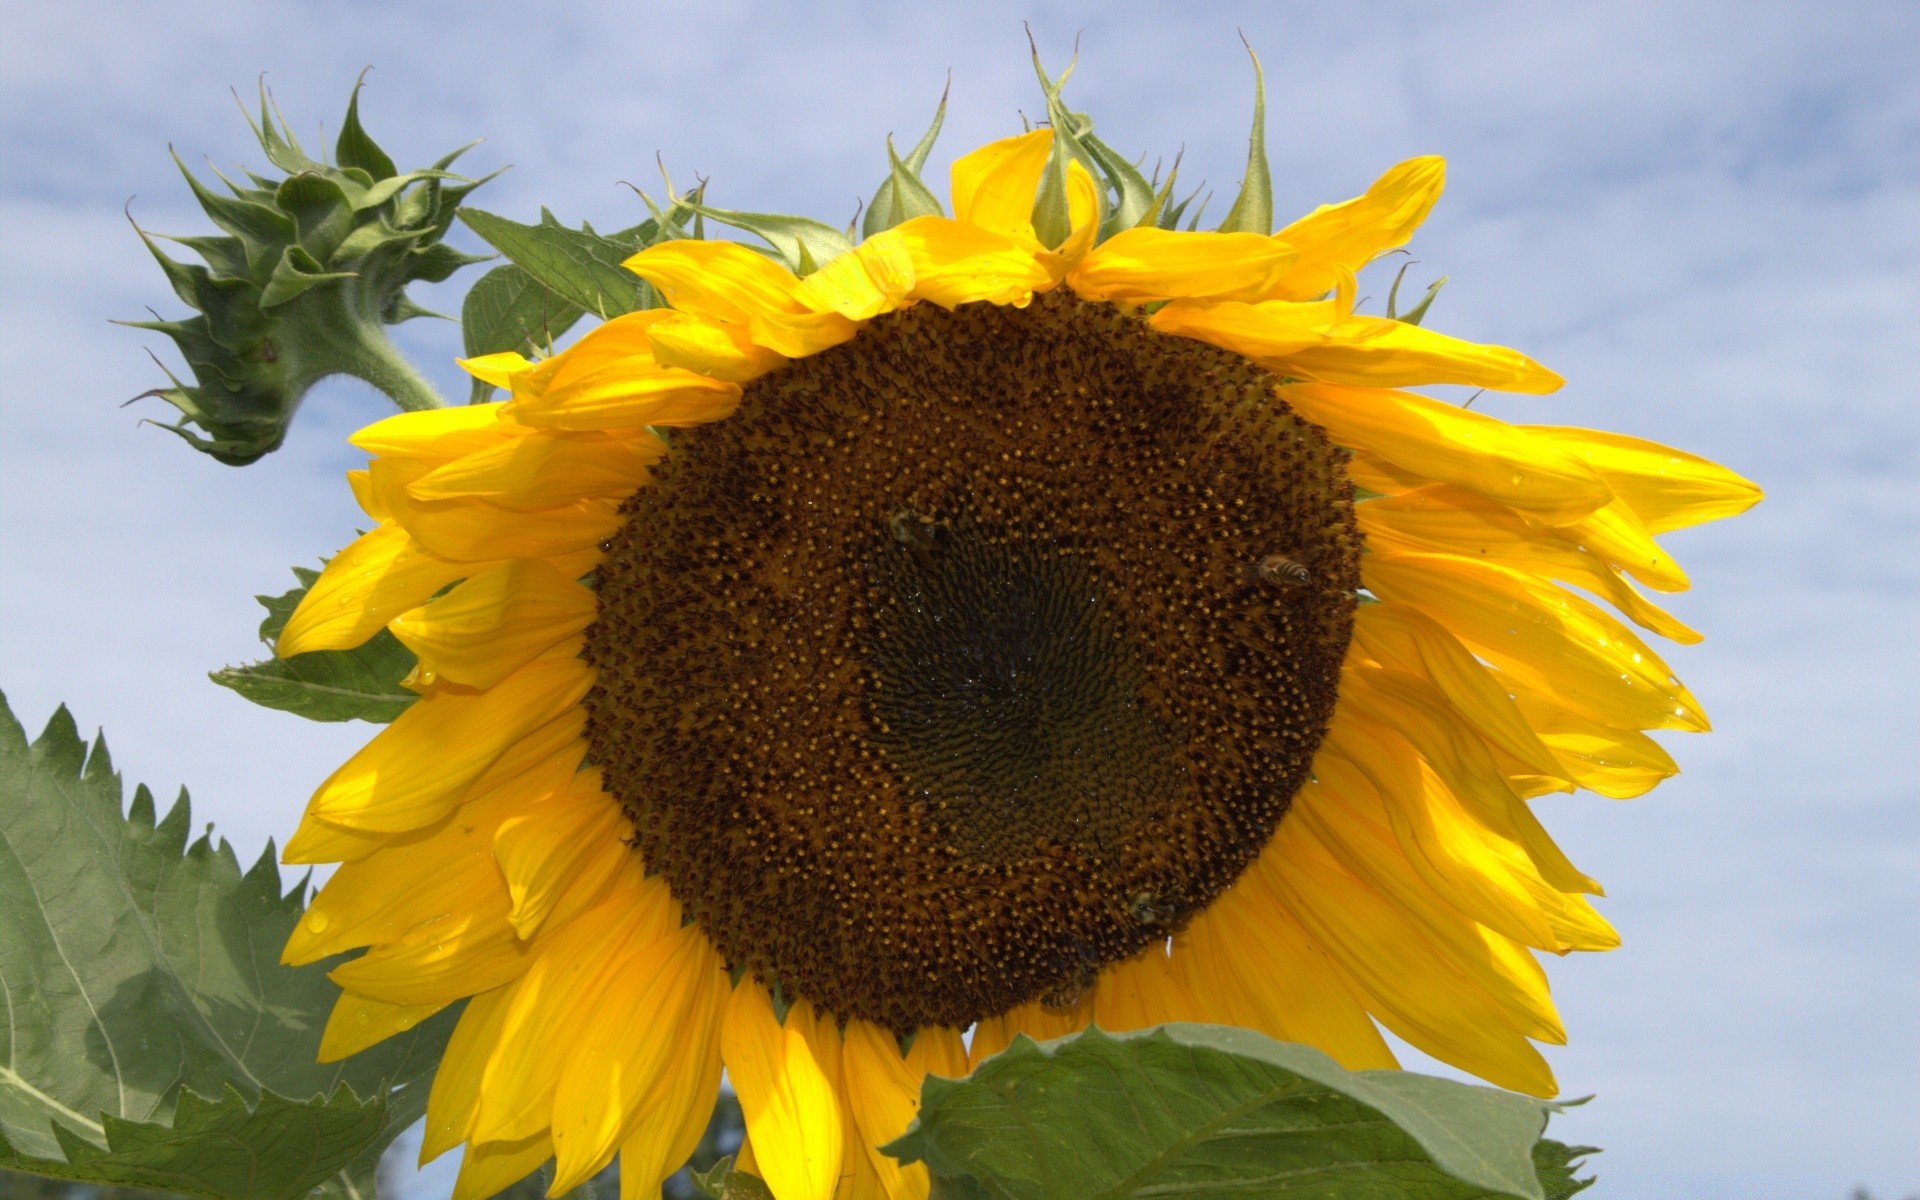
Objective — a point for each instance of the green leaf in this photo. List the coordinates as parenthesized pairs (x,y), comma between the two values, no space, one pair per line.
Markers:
(136,968)
(1418,312)
(577,265)
(1556,1164)
(722,1182)
(804,243)
(324,685)
(1133,201)
(1252,210)
(1202,1111)
(507,310)
(902,195)
(277,1149)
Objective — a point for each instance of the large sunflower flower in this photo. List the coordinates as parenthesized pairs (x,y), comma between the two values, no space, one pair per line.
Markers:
(977,633)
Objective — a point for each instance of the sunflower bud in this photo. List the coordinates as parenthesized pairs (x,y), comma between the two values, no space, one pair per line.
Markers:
(307,272)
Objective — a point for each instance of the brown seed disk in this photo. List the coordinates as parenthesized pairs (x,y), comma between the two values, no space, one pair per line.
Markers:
(943,674)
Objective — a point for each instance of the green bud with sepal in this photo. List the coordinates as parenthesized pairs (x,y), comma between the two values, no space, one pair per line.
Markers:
(306,274)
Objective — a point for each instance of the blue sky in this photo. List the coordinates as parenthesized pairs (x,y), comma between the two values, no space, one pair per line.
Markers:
(1707,217)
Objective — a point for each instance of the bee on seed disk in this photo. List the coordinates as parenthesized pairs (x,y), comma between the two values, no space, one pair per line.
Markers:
(1278,568)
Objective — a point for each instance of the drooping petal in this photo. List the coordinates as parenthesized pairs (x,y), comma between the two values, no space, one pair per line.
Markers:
(1544,636)
(1341,238)
(489,1168)
(456,1082)
(437,433)
(358,1022)
(712,348)
(1666,488)
(791,1110)
(722,280)
(545,470)
(876,277)
(883,1091)
(578,834)
(381,574)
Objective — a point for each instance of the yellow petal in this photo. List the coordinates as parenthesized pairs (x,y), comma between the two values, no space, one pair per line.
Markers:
(380,575)
(428,875)
(797,335)
(1450,444)
(417,768)
(496,369)
(955,263)
(616,397)
(1376,352)
(1136,266)
(1368,850)
(1665,488)
(722,280)
(546,470)
(883,1092)
(1267,333)
(577,837)
(1451,520)
(875,278)
(561,988)
(490,1168)
(676,1117)
(1250,963)
(1083,225)
(1143,990)
(712,348)
(358,1022)
(1547,638)
(437,433)
(1615,534)
(994,186)
(791,1110)
(1344,237)
(1411,986)
(1617,763)
(464,954)
(475,531)
(456,1082)
(618,1062)
(495,622)
(1417,710)
(1404,638)
(1482,872)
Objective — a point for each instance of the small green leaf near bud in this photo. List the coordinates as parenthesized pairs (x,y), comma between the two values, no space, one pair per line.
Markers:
(902,195)
(324,685)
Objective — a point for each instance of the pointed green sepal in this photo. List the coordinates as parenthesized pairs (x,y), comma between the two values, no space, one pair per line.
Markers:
(903,195)
(803,243)
(355,147)
(1252,210)
(1418,312)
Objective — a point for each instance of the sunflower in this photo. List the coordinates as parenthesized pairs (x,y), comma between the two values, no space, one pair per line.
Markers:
(982,631)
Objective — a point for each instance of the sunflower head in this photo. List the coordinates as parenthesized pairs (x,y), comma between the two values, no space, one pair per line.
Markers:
(1037,613)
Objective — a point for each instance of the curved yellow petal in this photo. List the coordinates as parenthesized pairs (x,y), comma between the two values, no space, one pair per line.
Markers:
(475,532)
(456,1082)
(496,369)
(1143,990)
(1410,985)
(468,952)
(1666,488)
(417,768)
(1451,520)
(1616,763)
(876,277)
(610,379)
(1615,534)
(1136,266)
(430,875)
(544,1008)
(1546,637)
(676,1116)
(1342,238)
(722,280)
(792,1112)
(617,1062)
(381,574)
(994,187)
(883,1093)
(546,470)
(1406,639)
(490,1168)
(1083,224)
(1449,444)
(578,836)
(955,263)
(495,622)
(712,348)
(358,1022)
(1268,333)
(436,433)
(1250,963)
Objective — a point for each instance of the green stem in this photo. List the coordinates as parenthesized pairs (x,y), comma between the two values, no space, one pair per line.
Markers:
(379,362)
